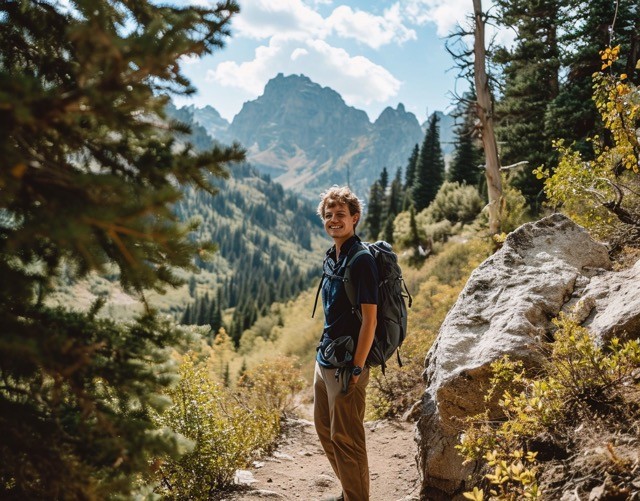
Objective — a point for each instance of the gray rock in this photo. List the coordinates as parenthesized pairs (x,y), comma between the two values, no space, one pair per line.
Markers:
(244,477)
(504,309)
(616,305)
(324,481)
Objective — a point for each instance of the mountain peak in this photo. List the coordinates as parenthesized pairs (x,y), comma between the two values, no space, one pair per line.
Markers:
(280,81)
(391,117)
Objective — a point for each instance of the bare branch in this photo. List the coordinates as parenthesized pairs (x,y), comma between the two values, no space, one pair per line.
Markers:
(517,165)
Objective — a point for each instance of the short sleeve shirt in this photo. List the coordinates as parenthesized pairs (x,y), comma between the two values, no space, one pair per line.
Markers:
(339,317)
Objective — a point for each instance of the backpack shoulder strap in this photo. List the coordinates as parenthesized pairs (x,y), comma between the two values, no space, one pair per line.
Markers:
(348,285)
(324,275)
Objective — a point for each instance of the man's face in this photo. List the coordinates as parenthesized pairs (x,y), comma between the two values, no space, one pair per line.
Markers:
(338,222)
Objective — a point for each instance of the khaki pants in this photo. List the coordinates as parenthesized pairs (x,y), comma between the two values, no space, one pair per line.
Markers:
(339,420)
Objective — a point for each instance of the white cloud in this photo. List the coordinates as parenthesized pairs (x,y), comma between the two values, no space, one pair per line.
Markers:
(249,76)
(359,80)
(188,60)
(261,19)
(315,3)
(445,14)
(299,52)
(369,29)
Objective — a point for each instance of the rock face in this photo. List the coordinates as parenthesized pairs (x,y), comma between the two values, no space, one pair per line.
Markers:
(505,308)
(210,119)
(614,301)
(307,138)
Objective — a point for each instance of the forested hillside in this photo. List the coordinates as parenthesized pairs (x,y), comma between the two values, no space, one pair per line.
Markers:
(268,249)
(268,243)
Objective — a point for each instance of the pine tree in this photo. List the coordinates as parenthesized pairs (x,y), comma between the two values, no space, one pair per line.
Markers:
(373,219)
(530,85)
(388,229)
(215,316)
(430,167)
(572,115)
(393,204)
(92,172)
(467,157)
(412,163)
(384,180)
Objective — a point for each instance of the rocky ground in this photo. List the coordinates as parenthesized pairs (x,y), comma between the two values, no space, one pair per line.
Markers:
(298,468)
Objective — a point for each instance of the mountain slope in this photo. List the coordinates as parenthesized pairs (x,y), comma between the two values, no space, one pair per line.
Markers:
(307,138)
(270,246)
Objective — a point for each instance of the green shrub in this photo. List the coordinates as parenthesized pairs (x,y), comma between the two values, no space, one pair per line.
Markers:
(273,384)
(603,194)
(226,435)
(454,202)
(438,232)
(578,380)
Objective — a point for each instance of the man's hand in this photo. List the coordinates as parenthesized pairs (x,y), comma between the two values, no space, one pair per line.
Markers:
(365,338)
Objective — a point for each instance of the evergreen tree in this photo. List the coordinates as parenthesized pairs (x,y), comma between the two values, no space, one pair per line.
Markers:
(412,163)
(91,174)
(530,85)
(388,229)
(384,180)
(215,316)
(585,26)
(373,219)
(393,205)
(187,316)
(430,167)
(204,306)
(467,157)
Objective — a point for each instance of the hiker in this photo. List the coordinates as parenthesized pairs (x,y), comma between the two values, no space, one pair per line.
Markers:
(341,374)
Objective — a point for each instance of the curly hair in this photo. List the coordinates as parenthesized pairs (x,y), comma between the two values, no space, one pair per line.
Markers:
(339,195)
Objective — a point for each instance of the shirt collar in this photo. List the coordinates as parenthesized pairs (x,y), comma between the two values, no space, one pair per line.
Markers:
(345,248)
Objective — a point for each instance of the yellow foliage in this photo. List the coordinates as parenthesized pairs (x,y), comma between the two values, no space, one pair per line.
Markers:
(590,191)
(225,434)
(578,376)
(273,384)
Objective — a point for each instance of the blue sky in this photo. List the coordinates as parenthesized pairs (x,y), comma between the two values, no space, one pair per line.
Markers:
(374,53)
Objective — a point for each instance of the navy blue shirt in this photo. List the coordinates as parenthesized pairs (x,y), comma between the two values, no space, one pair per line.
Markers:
(339,319)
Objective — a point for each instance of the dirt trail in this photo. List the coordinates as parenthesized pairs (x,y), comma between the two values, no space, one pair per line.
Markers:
(298,469)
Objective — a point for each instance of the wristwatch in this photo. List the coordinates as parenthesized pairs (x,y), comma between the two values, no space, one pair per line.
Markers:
(356,370)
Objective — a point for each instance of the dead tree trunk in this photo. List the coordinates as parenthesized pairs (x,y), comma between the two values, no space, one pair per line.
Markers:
(484,107)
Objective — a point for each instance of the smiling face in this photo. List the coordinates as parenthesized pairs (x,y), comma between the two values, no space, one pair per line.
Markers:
(339,223)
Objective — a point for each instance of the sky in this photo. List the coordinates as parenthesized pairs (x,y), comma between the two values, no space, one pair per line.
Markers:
(374,53)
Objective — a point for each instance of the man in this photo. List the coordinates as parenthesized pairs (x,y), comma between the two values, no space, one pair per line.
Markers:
(338,407)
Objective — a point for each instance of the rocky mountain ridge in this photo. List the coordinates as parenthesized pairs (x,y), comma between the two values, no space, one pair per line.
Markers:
(307,138)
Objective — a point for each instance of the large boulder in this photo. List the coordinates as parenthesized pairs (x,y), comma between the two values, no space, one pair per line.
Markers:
(505,309)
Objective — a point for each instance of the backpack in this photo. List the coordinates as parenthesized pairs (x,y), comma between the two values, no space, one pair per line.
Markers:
(391,328)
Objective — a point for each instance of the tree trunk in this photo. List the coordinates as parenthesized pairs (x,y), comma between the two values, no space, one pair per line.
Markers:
(485,114)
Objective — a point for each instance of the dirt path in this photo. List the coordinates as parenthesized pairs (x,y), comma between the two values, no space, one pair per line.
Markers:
(298,469)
